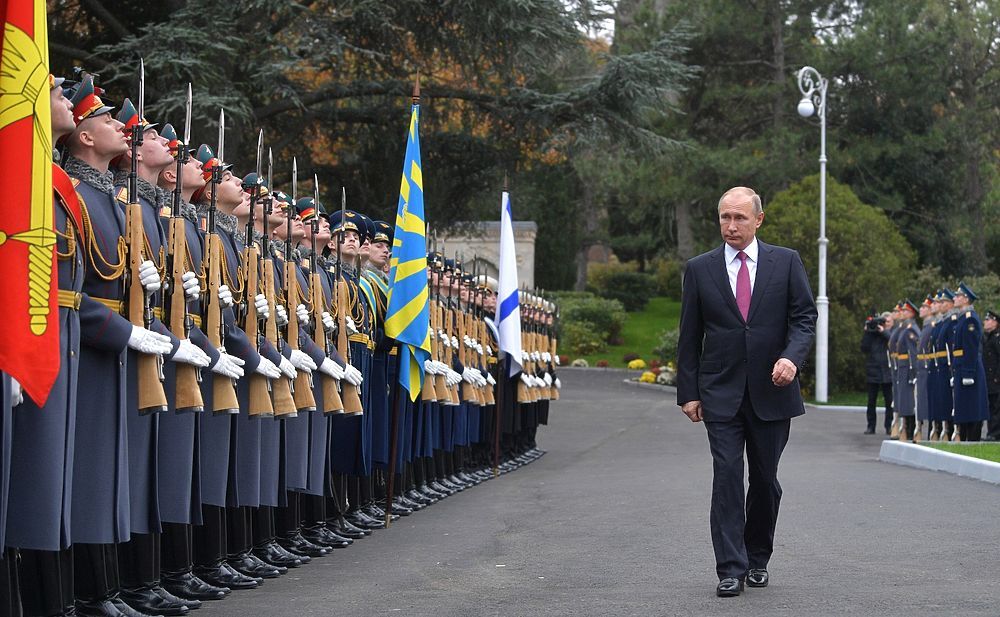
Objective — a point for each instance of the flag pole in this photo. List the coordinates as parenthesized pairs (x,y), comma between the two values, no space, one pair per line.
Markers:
(502,376)
(394,410)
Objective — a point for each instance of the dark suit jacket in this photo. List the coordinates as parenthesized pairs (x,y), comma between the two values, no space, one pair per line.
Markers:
(719,356)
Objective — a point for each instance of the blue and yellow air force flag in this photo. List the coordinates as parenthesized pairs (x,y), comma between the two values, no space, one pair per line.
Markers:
(508,310)
(408,315)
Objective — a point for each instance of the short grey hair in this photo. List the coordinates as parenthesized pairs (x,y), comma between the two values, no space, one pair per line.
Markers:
(746,192)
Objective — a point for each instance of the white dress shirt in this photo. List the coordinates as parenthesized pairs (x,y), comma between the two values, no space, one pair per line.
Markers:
(733,264)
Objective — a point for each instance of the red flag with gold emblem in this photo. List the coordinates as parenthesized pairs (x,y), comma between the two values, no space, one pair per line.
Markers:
(29,328)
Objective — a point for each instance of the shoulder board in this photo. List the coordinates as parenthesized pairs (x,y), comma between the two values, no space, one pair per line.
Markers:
(75,181)
(305,263)
(122,195)
(65,187)
(954,317)
(165,211)
(968,313)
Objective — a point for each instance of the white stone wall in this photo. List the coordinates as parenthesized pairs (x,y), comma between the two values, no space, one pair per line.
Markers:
(481,241)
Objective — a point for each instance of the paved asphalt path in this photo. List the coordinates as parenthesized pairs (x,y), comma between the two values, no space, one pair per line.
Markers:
(614,521)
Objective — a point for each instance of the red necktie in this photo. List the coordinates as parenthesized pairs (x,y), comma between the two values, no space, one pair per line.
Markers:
(743,286)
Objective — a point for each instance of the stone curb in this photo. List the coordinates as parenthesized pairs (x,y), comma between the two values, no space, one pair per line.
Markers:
(912,455)
(650,386)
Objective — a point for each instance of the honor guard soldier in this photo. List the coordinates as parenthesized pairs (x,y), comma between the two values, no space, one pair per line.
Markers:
(971,407)
(991,362)
(906,362)
(941,397)
(924,361)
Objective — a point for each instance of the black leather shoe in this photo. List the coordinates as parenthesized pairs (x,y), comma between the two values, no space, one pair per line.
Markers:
(325,537)
(261,564)
(440,487)
(281,550)
(359,518)
(222,576)
(97,608)
(345,529)
(869,431)
(147,601)
(236,573)
(757,577)
(245,564)
(419,497)
(377,513)
(166,595)
(298,545)
(125,609)
(274,556)
(427,491)
(187,586)
(406,502)
(729,587)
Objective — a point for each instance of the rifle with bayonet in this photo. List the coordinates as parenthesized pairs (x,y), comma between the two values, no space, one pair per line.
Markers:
(332,402)
(281,388)
(303,394)
(187,395)
(341,298)
(260,386)
(149,370)
(223,388)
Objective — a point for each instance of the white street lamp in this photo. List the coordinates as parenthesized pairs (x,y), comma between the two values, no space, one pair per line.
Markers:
(813,88)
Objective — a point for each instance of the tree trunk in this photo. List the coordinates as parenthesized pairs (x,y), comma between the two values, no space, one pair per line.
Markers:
(591,233)
(685,235)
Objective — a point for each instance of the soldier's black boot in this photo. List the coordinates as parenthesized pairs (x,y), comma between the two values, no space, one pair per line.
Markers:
(177,565)
(210,548)
(10,588)
(265,547)
(314,526)
(139,564)
(239,544)
(95,581)
(46,582)
(288,525)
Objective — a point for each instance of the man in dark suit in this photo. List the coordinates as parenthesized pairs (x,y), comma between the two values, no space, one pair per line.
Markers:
(747,323)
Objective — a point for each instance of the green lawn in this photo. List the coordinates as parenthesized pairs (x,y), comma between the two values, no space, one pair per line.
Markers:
(641,332)
(989,451)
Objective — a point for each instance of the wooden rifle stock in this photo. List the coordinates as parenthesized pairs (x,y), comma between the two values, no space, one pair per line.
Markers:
(468,392)
(332,402)
(223,389)
(483,339)
(429,392)
(440,383)
(281,388)
(260,386)
(349,392)
(151,395)
(187,395)
(553,345)
(303,394)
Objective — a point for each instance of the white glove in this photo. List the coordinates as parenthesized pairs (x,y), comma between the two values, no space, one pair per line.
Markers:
(149,278)
(430,368)
(479,349)
(489,350)
(556,358)
(547,357)
(353,375)
(260,303)
(328,322)
(443,337)
(547,378)
(968,381)
(536,356)
(454,342)
(442,368)
(281,316)
(189,353)
(229,366)
(268,369)
(147,341)
(467,376)
(303,314)
(331,368)
(452,377)
(16,393)
(287,368)
(526,380)
(558,384)
(226,297)
(467,340)
(490,380)
(478,376)
(351,327)
(302,362)
(192,288)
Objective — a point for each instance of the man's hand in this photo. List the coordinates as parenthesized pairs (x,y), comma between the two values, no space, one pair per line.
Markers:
(784,372)
(692,409)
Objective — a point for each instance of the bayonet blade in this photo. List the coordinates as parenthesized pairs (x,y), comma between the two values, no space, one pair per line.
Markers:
(142,91)
(295,179)
(316,194)
(260,154)
(187,119)
(270,164)
(220,152)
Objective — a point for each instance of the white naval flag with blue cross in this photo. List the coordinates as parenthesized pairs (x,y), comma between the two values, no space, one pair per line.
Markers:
(508,310)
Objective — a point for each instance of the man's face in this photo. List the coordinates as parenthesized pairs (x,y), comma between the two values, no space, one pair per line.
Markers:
(322,236)
(961,300)
(349,246)
(155,150)
(947,305)
(989,324)
(278,217)
(230,196)
(365,249)
(62,113)
(490,302)
(298,230)
(379,254)
(890,321)
(104,134)
(191,174)
(925,310)
(737,221)
(463,293)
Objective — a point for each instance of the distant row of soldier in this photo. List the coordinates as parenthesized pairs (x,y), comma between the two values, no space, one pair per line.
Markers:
(223,410)
(939,385)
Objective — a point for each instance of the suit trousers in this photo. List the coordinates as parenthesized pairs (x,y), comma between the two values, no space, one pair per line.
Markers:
(743,524)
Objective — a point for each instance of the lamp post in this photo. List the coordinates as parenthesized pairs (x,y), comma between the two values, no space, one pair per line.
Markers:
(813,88)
